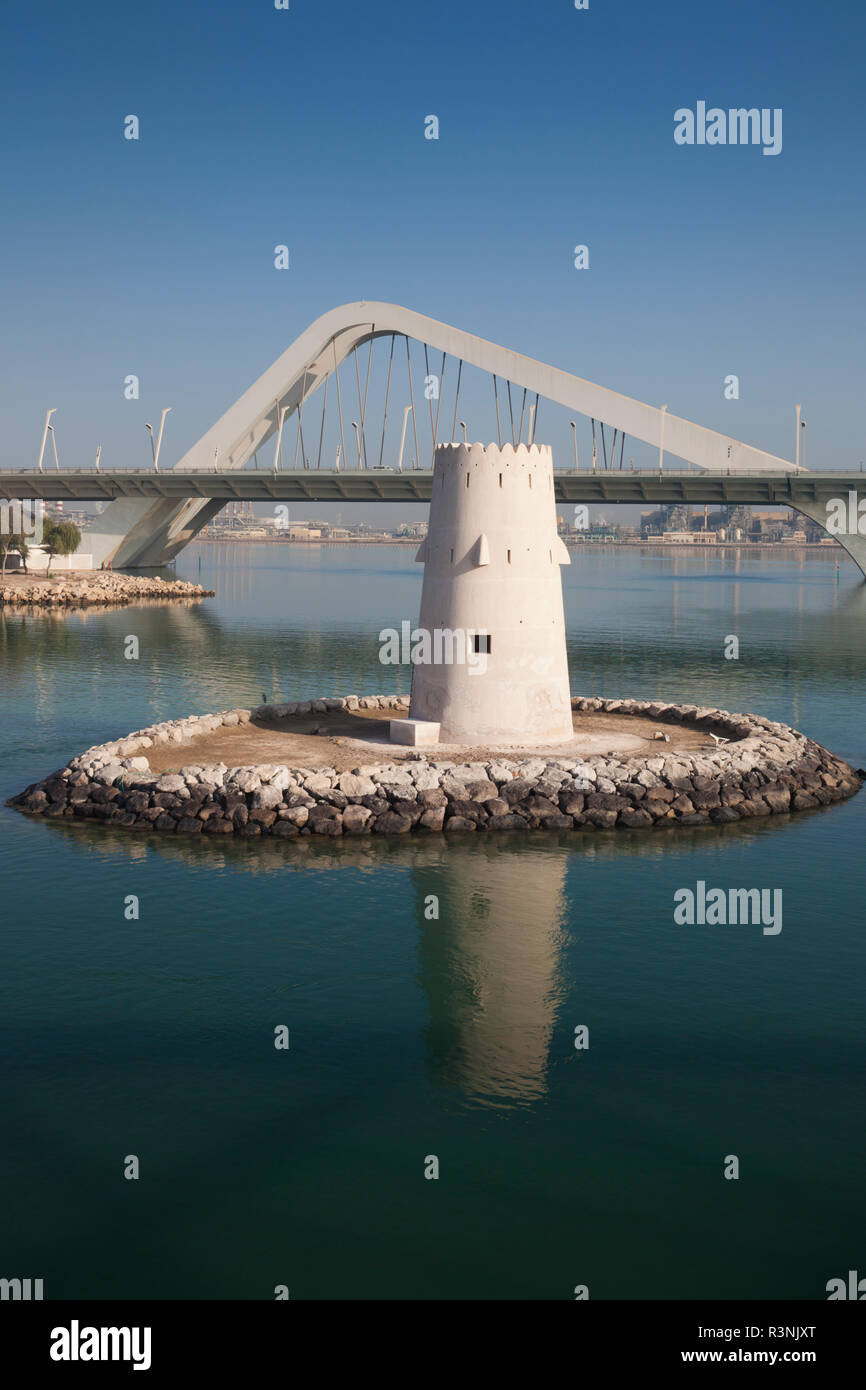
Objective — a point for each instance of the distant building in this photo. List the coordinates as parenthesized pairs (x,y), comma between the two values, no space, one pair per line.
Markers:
(690,537)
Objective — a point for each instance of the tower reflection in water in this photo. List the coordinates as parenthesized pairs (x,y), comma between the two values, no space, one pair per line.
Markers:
(491,968)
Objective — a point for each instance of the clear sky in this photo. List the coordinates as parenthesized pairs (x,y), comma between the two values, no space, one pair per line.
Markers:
(306,127)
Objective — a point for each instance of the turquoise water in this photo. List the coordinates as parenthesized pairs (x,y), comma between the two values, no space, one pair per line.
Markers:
(412,1036)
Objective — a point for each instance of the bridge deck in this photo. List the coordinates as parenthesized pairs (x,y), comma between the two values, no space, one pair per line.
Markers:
(387,485)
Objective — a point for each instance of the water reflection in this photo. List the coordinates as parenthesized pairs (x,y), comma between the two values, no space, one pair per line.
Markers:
(490,969)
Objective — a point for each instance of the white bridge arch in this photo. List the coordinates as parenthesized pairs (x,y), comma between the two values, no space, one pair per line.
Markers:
(134,532)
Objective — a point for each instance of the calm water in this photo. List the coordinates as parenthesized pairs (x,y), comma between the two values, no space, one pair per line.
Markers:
(413,1037)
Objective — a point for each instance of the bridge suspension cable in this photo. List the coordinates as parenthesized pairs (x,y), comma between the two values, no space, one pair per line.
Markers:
(367,392)
(456,401)
(322,430)
(417,460)
(387,395)
(439,402)
(340,405)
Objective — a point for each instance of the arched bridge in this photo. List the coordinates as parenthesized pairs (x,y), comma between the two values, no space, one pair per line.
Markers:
(153,515)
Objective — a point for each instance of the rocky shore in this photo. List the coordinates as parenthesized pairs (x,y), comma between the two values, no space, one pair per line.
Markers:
(101,587)
(759,768)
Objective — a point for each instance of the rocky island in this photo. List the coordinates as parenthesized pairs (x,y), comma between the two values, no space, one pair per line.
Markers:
(630,765)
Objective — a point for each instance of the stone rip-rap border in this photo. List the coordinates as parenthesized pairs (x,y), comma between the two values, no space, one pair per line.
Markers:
(766,768)
(97,589)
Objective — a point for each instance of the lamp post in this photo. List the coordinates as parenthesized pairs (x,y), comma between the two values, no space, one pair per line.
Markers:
(574,441)
(45,435)
(463,427)
(54,447)
(797,409)
(662,439)
(159,438)
(357,441)
(406,414)
(98,454)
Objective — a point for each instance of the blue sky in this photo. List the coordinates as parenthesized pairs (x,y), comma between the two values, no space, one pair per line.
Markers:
(306,127)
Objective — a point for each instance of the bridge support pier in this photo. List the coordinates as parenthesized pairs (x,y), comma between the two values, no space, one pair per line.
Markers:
(849,538)
(133,533)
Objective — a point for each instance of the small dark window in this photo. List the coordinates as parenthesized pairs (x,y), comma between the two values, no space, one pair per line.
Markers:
(530,480)
(452,557)
(481,642)
(467,479)
(500,480)
(508,553)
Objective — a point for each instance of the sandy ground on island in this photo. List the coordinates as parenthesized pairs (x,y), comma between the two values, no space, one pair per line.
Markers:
(358,738)
(18,579)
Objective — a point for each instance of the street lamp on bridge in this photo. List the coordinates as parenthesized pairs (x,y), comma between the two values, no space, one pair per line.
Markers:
(45,435)
(155,448)
(54,447)
(406,414)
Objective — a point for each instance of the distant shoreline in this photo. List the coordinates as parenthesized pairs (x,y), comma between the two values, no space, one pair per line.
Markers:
(667,547)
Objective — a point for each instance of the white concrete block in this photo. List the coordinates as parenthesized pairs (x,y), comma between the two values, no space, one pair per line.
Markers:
(418,733)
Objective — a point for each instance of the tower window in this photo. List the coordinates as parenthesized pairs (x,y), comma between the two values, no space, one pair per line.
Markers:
(452,555)
(508,553)
(530,480)
(481,642)
(467,479)
(500,480)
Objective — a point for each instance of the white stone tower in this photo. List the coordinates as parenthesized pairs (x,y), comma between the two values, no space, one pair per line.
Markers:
(491,569)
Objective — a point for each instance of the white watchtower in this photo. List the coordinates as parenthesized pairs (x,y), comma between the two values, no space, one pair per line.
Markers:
(491,576)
